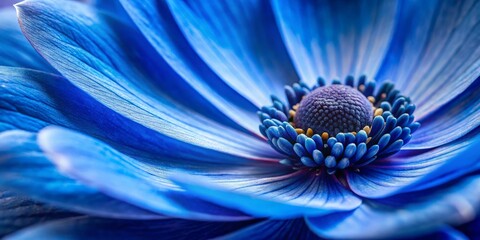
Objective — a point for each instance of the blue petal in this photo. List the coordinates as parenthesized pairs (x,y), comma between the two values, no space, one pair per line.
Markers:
(96,228)
(412,170)
(274,229)
(450,122)
(25,169)
(332,39)
(18,211)
(15,51)
(280,197)
(446,232)
(141,181)
(81,44)
(434,55)
(31,100)
(156,23)
(240,43)
(410,214)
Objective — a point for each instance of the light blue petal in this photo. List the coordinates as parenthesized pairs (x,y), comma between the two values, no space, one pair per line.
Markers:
(401,216)
(413,170)
(240,42)
(15,50)
(273,229)
(156,23)
(95,228)
(434,55)
(25,169)
(279,197)
(82,45)
(141,181)
(333,39)
(18,211)
(450,122)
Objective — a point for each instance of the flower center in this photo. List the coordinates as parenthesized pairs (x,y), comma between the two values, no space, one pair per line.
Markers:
(334,109)
(338,127)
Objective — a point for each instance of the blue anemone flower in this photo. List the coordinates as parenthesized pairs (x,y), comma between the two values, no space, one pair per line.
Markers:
(240,119)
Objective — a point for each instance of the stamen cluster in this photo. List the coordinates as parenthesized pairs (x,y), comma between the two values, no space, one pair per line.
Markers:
(392,127)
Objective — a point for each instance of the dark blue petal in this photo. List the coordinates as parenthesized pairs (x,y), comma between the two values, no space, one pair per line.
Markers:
(155,21)
(280,197)
(434,55)
(332,39)
(406,215)
(471,229)
(25,169)
(143,181)
(240,42)
(15,50)
(450,122)
(97,228)
(274,229)
(81,44)
(445,233)
(18,211)
(413,170)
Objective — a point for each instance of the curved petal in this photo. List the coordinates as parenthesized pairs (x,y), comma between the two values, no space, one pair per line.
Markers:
(411,214)
(82,45)
(25,169)
(156,23)
(434,55)
(96,228)
(240,42)
(141,181)
(17,212)
(31,100)
(16,51)
(273,229)
(333,39)
(450,122)
(412,170)
(280,197)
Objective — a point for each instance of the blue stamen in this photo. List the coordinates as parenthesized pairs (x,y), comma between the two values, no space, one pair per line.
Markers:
(391,126)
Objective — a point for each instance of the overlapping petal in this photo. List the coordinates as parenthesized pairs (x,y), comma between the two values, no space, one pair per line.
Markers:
(154,19)
(274,229)
(413,170)
(240,42)
(142,181)
(25,169)
(97,228)
(410,214)
(301,193)
(82,45)
(450,122)
(15,50)
(17,212)
(434,55)
(333,39)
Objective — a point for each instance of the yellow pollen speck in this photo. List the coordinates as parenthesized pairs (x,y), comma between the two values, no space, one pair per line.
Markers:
(295,107)
(354,133)
(309,132)
(371,99)
(367,129)
(299,130)
(383,95)
(325,136)
(361,87)
(368,139)
(378,112)
(292,113)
